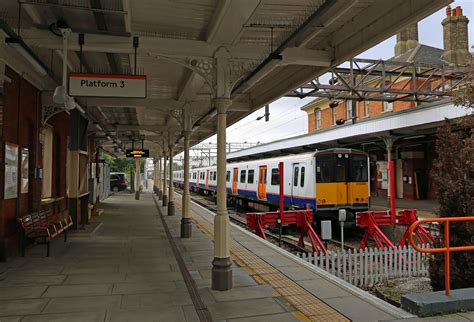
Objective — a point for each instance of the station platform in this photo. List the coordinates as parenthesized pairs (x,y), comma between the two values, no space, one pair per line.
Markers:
(132,266)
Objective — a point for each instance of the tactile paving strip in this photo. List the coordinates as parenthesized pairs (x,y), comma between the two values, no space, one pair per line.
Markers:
(305,302)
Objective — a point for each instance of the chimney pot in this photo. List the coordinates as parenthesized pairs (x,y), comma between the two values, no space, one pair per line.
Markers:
(448,11)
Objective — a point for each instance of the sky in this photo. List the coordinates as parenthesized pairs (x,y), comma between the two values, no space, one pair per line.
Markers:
(286,118)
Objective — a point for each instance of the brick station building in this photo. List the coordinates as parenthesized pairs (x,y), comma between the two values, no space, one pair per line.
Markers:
(414,150)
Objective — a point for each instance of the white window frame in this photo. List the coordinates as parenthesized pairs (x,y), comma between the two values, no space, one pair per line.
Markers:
(366,108)
(349,107)
(334,116)
(387,106)
(318,118)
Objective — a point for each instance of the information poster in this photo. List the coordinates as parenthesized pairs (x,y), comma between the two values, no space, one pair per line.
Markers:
(382,175)
(25,159)
(11,171)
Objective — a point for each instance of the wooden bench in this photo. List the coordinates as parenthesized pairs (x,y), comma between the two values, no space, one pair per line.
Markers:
(43,225)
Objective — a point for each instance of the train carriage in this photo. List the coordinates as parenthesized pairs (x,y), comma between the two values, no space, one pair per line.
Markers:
(325,181)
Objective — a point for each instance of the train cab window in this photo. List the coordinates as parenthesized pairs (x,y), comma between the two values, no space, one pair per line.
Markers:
(340,171)
(275,177)
(359,171)
(302,177)
(295,176)
(242,176)
(250,176)
(227,176)
(324,168)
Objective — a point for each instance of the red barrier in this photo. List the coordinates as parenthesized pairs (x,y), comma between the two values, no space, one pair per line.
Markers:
(301,218)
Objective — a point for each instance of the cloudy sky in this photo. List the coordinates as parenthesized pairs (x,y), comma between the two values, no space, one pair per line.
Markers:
(286,118)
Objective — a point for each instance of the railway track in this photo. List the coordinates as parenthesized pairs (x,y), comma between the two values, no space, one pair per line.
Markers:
(287,242)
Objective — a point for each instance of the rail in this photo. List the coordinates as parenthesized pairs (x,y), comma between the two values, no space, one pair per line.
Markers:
(447,249)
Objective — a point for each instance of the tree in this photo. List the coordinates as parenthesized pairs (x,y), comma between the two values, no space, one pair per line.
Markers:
(453,174)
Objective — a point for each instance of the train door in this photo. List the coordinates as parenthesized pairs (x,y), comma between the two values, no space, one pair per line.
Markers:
(207,179)
(341,178)
(235,179)
(295,182)
(262,183)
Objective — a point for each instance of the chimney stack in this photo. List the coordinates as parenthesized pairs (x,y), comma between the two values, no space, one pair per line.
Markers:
(407,39)
(456,48)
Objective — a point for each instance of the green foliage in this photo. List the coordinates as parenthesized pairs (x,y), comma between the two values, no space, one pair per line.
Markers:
(126,165)
(453,174)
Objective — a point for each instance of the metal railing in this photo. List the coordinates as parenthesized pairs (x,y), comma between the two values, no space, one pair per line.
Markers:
(447,249)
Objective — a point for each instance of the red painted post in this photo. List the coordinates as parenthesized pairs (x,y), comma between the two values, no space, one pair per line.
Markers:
(282,191)
(391,169)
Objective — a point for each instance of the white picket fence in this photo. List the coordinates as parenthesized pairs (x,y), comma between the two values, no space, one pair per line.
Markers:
(365,267)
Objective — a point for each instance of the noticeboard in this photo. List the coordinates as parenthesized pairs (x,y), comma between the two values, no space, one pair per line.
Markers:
(137,153)
(11,171)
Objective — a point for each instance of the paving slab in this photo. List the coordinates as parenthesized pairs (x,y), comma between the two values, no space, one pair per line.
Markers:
(20,307)
(66,317)
(357,309)
(95,278)
(32,280)
(162,299)
(83,303)
(282,317)
(78,290)
(243,293)
(172,314)
(244,308)
(144,287)
(21,292)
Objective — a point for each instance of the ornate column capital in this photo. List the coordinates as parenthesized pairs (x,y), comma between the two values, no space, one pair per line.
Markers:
(222,104)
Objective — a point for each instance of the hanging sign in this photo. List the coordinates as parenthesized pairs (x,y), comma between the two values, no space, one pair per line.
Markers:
(137,153)
(107,85)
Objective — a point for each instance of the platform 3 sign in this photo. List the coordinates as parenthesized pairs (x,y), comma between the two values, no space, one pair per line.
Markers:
(137,153)
(106,85)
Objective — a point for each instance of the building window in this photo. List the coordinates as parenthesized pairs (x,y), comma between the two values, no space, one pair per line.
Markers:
(334,115)
(387,106)
(318,119)
(242,176)
(366,108)
(250,176)
(350,109)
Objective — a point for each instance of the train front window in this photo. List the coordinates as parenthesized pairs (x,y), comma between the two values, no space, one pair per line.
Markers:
(324,168)
(340,170)
(359,171)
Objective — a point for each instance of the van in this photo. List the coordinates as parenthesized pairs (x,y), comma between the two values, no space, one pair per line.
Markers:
(118,181)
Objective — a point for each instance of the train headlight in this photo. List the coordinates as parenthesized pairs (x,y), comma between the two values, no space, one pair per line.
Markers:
(318,201)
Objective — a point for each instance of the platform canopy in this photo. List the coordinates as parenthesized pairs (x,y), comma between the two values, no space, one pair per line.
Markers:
(268,48)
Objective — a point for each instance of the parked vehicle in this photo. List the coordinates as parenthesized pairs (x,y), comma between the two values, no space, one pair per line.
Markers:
(118,181)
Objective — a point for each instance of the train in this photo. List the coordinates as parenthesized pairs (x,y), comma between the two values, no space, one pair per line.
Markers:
(324,180)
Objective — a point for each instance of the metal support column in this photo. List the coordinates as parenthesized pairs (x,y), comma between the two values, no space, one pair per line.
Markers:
(171,190)
(160,183)
(221,265)
(165,196)
(137,179)
(186,226)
